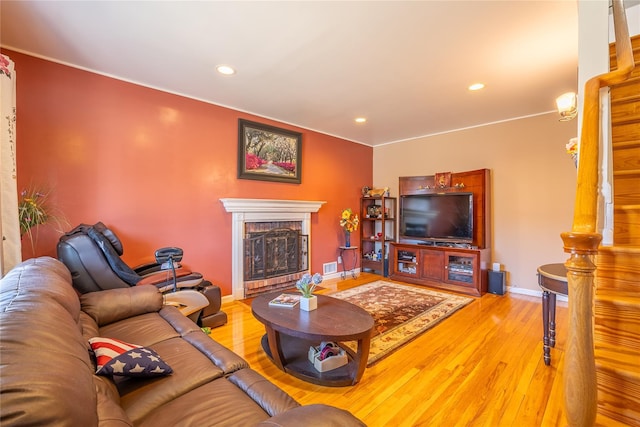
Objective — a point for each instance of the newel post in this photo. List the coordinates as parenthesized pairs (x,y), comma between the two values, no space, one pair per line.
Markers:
(580,386)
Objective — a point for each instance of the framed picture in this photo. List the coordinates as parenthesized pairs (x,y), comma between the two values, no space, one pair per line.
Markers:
(268,153)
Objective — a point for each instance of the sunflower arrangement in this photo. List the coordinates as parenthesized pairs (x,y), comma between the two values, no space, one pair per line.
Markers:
(349,221)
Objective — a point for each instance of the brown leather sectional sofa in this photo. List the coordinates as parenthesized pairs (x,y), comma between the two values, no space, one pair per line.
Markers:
(47,368)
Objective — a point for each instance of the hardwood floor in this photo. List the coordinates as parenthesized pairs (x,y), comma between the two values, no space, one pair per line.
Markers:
(482,366)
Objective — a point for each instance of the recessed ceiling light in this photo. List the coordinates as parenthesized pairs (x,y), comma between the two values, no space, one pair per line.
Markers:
(225,69)
(476,86)
(360,119)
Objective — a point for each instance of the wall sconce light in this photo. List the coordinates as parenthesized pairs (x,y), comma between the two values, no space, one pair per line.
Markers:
(567,106)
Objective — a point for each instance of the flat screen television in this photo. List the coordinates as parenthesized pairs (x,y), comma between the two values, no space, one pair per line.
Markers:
(446,217)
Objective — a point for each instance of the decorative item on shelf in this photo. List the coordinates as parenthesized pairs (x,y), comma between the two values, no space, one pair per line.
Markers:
(374,211)
(572,150)
(306,285)
(377,192)
(370,256)
(349,221)
(443,179)
(365,190)
(459,185)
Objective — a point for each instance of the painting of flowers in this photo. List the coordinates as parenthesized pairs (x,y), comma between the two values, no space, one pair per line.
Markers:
(268,153)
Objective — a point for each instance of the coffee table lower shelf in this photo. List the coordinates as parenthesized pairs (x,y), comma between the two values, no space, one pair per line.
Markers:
(296,352)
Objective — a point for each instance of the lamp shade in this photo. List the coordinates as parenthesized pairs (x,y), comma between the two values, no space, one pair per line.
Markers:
(567,104)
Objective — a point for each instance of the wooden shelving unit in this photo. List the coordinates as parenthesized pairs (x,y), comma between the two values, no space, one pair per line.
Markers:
(377,230)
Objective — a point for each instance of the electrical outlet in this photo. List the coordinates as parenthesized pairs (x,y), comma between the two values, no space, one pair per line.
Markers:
(339,260)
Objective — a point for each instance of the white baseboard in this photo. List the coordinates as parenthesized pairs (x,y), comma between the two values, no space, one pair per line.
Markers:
(533,293)
(510,289)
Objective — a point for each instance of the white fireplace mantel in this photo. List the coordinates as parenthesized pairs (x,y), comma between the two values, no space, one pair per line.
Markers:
(258,210)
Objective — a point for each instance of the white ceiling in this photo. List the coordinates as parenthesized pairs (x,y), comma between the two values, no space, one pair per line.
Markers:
(319,64)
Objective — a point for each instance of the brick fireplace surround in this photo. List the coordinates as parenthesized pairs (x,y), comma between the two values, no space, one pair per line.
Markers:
(262,210)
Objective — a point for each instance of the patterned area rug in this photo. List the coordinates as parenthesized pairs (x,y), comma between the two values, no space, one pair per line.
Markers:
(401,313)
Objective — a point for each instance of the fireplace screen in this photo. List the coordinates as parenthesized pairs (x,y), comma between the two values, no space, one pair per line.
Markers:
(274,253)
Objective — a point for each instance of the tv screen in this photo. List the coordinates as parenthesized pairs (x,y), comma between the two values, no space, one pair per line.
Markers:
(434,217)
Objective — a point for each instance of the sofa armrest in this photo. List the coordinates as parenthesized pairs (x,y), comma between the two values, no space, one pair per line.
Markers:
(112,305)
(272,399)
(313,416)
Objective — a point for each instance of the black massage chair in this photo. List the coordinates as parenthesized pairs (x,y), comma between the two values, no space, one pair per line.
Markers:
(92,255)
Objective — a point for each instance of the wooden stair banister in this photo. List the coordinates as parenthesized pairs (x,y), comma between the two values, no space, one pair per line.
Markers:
(580,388)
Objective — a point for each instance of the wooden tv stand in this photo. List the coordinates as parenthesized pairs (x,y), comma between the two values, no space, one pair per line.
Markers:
(455,269)
(459,268)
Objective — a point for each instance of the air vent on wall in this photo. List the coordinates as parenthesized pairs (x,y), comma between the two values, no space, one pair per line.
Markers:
(329,268)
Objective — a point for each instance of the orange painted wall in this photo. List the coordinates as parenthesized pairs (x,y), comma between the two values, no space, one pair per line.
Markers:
(153,166)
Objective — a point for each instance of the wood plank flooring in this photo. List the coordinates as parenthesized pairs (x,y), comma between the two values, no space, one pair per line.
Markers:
(482,366)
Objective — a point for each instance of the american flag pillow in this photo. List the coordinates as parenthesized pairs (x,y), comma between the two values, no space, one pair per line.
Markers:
(115,357)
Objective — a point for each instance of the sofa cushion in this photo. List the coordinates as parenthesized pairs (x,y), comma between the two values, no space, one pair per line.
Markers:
(191,369)
(223,358)
(145,330)
(112,305)
(115,357)
(218,403)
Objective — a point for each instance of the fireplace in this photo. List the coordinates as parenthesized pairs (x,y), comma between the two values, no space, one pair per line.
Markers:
(252,214)
(275,255)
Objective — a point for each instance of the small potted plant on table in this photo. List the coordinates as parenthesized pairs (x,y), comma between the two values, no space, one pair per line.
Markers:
(306,285)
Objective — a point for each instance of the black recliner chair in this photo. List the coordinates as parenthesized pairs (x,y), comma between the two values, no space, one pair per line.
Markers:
(92,255)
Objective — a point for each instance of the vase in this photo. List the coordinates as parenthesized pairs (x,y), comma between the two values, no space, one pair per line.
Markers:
(309,304)
(347,239)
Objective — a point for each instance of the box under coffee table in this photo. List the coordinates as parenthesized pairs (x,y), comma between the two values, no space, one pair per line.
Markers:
(291,331)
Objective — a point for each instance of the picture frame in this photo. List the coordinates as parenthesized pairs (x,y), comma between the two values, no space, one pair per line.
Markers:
(269,153)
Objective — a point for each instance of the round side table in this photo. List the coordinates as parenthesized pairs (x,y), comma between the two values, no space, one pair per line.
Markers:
(552,278)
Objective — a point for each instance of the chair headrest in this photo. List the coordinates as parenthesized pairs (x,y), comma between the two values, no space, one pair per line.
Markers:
(110,235)
(124,272)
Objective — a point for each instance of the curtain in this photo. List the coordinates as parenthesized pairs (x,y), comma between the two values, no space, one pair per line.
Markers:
(10,250)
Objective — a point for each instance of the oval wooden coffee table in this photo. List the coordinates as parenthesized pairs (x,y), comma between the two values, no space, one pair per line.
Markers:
(291,331)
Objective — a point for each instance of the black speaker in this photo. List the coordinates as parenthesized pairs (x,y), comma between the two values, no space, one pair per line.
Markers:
(497,282)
